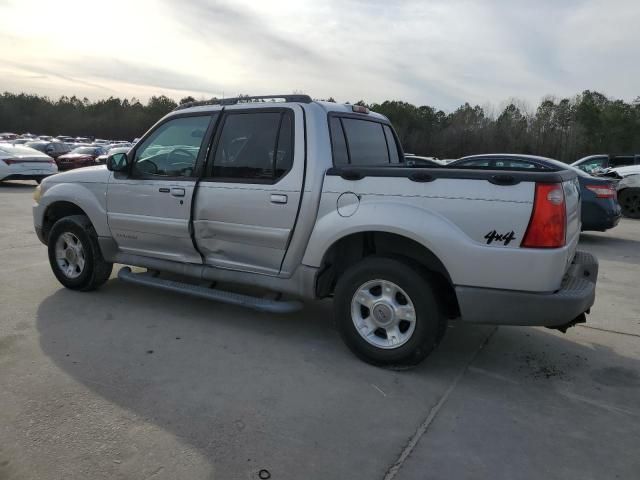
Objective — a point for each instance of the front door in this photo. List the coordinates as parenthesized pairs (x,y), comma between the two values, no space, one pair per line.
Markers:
(149,207)
(248,200)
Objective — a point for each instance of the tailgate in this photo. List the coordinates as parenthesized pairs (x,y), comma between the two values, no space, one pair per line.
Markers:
(573,204)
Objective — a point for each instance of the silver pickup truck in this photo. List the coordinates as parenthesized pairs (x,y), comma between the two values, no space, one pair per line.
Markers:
(312,200)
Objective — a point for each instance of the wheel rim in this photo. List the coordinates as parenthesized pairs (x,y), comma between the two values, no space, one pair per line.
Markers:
(70,255)
(631,203)
(383,314)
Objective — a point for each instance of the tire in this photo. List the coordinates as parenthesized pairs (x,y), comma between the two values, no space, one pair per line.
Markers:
(381,343)
(629,200)
(79,265)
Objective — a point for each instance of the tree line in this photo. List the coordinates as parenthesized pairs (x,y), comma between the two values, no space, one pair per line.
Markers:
(566,128)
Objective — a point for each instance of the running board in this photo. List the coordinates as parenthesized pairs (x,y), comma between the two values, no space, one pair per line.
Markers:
(255,303)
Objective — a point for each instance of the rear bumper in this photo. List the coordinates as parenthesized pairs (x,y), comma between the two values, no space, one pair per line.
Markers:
(509,307)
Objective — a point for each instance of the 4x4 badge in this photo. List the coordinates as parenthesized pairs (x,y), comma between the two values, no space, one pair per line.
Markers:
(506,238)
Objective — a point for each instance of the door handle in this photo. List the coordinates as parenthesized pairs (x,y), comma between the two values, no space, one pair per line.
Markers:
(177,192)
(278,198)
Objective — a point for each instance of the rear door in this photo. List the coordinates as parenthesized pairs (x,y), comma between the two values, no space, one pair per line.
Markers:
(247,203)
(149,207)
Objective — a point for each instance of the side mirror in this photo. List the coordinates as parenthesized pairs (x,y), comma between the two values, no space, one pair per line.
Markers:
(117,162)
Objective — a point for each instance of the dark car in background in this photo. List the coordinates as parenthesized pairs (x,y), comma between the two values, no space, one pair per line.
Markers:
(596,163)
(600,208)
(79,157)
(419,161)
(53,149)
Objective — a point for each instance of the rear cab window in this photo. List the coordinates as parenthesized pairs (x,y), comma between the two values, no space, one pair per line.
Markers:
(362,142)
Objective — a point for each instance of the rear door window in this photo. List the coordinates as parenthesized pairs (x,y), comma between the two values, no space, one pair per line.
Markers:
(254,147)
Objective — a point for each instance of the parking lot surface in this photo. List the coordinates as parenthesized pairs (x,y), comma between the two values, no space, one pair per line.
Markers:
(130,382)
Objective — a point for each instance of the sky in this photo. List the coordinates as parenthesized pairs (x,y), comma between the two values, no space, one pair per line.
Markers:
(428,52)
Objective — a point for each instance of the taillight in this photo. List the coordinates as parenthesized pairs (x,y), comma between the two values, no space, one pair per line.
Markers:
(602,191)
(10,161)
(548,224)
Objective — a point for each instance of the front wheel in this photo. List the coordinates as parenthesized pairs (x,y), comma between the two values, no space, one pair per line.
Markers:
(75,256)
(629,200)
(387,313)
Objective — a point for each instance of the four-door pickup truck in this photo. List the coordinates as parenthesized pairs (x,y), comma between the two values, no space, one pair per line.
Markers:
(313,200)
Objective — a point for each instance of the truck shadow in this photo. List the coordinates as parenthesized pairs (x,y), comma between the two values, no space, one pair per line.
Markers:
(241,385)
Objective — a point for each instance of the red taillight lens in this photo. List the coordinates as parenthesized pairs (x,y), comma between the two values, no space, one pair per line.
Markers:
(602,191)
(9,161)
(548,224)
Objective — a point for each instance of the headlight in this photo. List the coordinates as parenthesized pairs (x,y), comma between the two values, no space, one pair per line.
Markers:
(37,193)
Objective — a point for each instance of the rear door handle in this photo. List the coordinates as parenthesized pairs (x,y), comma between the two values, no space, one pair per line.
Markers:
(278,198)
(177,192)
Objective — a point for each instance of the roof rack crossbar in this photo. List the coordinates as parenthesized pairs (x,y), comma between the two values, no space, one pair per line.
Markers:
(253,99)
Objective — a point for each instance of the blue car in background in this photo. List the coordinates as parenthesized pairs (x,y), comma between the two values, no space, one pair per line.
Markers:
(600,208)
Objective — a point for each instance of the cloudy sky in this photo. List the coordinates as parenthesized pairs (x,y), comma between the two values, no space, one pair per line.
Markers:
(436,52)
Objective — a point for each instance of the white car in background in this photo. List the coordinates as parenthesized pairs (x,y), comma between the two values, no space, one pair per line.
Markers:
(24,163)
(628,190)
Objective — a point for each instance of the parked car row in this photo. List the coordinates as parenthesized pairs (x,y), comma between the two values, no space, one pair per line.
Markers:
(600,208)
(609,184)
(36,160)
(33,157)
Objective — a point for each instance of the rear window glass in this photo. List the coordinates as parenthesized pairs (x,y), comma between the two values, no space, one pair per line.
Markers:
(340,155)
(365,142)
(362,142)
(391,145)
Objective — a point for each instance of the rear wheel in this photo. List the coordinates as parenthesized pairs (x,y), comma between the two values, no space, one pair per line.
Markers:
(629,200)
(75,256)
(387,313)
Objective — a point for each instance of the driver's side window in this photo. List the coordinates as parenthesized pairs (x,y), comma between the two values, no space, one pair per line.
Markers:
(172,149)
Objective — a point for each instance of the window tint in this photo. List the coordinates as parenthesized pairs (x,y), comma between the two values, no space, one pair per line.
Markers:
(172,150)
(250,147)
(365,142)
(340,156)
(391,144)
(284,150)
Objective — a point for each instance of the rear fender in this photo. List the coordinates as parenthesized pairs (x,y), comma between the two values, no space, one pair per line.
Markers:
(467,261)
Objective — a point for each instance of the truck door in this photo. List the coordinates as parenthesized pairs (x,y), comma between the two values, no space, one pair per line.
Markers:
(247,203)
(148,208)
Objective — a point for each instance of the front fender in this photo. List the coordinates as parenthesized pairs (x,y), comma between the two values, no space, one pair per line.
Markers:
(630,181)
(90,197)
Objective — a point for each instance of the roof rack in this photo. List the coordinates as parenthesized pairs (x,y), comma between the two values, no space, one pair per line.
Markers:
(254,99)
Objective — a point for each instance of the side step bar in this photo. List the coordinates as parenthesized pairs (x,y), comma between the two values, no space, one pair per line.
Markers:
(255,303)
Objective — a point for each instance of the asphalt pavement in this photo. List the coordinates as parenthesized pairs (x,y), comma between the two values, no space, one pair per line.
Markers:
(132,383)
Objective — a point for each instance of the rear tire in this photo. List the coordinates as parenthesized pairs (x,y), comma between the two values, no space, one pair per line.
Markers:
(629,200)
(75,256)
(387,313)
